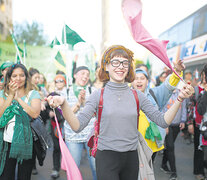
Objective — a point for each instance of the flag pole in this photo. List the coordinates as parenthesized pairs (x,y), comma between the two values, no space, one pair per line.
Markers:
(24,52)
(15,44)
(65,46)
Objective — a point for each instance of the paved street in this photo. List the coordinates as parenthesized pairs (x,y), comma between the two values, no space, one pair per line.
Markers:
(184,162)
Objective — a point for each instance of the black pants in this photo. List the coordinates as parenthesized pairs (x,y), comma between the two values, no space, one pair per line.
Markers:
(56,151)
(24,169)
(169,151)
(198,163)
(117,165)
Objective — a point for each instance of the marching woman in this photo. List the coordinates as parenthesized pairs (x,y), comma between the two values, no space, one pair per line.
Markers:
(117,156)
(16,141)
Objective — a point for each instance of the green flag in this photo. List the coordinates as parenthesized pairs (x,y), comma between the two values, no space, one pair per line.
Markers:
(18,49)
(54,42)
(60,62)
(17,60)
(16,44)
(70,37)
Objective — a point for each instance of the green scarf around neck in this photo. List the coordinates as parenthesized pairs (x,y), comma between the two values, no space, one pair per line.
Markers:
(77,89)
(22,141)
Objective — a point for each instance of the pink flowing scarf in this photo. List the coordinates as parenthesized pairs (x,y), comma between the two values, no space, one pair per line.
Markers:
(67,163)
(132,10)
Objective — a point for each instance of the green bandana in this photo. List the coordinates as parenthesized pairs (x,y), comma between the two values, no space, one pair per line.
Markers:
(22,141)
(41,85)
(153,132)
(77,89)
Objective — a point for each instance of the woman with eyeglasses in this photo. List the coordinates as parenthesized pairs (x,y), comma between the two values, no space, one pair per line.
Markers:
(16,111)
(60,89)
(117,156)
(60,85)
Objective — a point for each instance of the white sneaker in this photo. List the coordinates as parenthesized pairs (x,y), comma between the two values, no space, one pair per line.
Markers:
(55,174)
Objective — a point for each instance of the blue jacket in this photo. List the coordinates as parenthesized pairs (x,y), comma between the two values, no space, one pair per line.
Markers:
(162,93)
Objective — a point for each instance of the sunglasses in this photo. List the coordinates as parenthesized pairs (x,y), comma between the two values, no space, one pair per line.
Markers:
(59,81)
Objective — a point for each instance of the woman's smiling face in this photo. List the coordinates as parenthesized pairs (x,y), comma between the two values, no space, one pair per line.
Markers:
(118,69)
(19,77)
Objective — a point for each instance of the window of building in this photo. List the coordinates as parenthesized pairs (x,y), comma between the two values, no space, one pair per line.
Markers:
(200,25)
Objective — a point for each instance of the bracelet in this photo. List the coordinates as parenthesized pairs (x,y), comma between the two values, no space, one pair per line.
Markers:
(78,105)
(179,99)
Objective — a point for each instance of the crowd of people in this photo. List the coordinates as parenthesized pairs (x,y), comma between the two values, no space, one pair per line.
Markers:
(165,107)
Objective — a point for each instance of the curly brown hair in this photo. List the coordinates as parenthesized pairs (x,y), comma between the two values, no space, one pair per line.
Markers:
(120,51)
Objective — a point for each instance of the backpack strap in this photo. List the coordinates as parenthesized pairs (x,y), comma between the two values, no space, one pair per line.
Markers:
(153,95)
(28,96)
(100,108)
(89,89)
(137,101)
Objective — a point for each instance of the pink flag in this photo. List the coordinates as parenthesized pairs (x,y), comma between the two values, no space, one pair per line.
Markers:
(67,164)
(132,10)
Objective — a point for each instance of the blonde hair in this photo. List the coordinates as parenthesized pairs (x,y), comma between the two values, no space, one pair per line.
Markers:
(112,51)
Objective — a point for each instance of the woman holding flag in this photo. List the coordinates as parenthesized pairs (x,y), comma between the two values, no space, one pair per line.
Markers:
(117,157)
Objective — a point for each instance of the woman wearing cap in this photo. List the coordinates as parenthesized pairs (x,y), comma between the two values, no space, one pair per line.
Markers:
(158,96)
(78,94)
(5,66)
(60,89)
(117,157)
(1,81)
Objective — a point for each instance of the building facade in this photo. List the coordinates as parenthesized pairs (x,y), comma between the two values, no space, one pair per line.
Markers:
(5,18)
(188,40)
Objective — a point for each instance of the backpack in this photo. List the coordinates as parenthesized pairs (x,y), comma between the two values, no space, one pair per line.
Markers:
(93,140)
(41,138)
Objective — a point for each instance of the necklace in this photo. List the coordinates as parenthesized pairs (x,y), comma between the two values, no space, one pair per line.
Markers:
(119,96)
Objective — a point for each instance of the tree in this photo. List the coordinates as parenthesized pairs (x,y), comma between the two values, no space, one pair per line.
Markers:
(33,33)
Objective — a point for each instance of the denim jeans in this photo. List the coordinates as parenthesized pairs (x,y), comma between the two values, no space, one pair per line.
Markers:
(76,152)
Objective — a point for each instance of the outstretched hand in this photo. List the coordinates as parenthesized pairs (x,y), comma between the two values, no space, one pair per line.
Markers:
(186,92)
(55,101)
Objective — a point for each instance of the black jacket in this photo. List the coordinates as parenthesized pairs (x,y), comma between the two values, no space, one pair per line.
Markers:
(202,103)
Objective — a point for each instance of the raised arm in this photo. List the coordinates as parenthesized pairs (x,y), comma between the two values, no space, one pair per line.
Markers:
(163,120)
(185,92)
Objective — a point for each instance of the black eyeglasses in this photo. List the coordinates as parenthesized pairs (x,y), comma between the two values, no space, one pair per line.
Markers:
(117,63)
(59,81)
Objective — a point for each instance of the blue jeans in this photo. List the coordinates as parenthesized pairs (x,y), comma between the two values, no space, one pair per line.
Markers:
(76,152)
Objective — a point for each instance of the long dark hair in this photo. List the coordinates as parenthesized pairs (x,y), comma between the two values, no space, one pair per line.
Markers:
(204,71)
(27,84)
(33,71)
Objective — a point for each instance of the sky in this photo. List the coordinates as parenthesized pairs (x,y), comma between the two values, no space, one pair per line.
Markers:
(84,16)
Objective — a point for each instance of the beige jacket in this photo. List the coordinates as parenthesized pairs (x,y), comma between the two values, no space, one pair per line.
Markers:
(145,160)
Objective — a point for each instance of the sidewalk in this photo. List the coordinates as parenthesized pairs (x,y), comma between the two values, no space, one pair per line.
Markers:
(184,164)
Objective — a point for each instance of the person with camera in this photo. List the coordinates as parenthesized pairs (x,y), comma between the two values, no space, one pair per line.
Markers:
(198,168)
(202,110)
